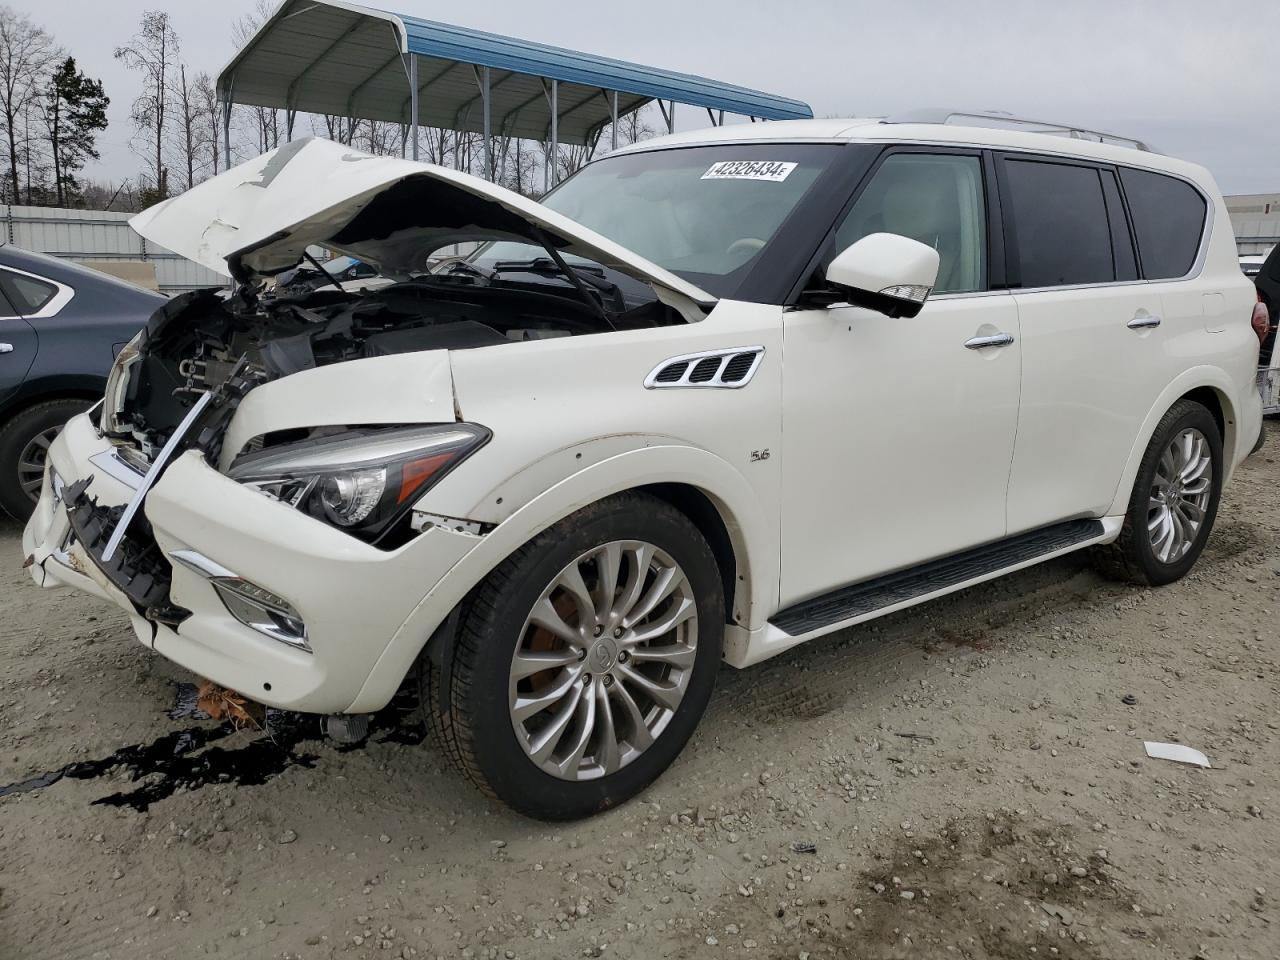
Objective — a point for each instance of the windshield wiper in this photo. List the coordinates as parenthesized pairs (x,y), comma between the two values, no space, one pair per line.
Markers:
(325,274)
(462,265)
(543,265)
(590,274)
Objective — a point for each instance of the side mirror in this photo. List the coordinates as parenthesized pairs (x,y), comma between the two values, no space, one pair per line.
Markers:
(885,272)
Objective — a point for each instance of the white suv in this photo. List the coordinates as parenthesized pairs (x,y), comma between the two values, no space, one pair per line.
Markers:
(719,394)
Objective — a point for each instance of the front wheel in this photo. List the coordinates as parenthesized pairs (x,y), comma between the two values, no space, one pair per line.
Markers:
(584,662)
(1174,501)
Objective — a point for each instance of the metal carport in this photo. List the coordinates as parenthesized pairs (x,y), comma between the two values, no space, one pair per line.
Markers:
(344,59)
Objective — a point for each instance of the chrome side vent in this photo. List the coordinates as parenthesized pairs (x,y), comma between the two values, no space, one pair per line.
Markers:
(705,370)
(713,368)
(672,373)
(738,367)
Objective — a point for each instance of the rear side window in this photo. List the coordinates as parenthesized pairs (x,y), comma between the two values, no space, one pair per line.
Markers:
(1060,220)
(1168,217)
(27,294)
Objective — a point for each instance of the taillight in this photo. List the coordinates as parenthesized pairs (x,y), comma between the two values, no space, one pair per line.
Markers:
(1261,321)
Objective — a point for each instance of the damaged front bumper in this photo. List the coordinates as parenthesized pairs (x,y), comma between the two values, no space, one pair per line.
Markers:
(351,597)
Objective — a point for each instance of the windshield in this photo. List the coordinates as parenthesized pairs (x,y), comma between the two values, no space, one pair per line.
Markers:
(704,213)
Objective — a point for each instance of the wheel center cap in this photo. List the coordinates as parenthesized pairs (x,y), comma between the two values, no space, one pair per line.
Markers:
(603,654)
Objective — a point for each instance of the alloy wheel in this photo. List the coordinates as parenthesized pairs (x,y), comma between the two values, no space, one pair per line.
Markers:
(31,462)
(603,660)
(1180,493)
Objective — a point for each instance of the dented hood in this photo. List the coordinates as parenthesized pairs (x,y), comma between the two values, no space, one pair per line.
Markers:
(258,218)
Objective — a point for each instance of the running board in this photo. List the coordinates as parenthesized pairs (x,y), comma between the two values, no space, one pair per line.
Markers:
(861,599)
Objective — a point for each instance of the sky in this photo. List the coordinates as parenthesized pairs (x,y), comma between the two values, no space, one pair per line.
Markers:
(1192,78)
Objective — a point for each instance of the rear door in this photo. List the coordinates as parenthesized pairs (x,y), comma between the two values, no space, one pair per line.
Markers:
(1093,348)
(18,340)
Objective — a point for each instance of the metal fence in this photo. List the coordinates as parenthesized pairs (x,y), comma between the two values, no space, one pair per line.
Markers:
(100,235)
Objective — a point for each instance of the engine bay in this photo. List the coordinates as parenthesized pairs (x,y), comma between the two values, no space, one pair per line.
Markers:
(200,341)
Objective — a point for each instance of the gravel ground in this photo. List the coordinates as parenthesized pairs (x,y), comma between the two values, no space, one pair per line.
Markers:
(966,779)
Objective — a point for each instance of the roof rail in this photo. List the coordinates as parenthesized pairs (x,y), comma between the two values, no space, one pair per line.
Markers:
(1000,120)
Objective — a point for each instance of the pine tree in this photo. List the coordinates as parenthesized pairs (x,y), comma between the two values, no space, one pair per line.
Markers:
(75,111)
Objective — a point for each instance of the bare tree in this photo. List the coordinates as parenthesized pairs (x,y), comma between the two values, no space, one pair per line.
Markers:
(265,123)
(153,52)
(633,127)
(26,54)
(207,98)
(382,137)
(337,128)
(520,168)
(105,196)
(190,126)
(437,145)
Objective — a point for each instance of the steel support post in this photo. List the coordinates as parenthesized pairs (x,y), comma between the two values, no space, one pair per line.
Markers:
(613,112)
(413,102)
(488,132)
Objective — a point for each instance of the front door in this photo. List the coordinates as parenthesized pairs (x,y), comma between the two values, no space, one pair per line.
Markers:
(898,433)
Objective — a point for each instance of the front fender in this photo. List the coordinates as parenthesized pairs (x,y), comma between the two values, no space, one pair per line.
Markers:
(754,538)
(402,388)
(1238,413)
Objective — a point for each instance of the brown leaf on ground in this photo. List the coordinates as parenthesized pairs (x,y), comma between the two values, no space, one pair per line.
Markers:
(221,703)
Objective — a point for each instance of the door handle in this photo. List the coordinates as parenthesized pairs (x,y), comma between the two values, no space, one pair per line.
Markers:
(6,348)
(994,340)
(1143,321)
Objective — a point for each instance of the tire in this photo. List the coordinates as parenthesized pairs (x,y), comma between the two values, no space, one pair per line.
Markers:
(596,684)
(24,441)
(1144,551)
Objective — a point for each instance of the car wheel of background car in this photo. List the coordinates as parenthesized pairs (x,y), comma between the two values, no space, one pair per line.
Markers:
(24,444)
(1174,501)
(584,661)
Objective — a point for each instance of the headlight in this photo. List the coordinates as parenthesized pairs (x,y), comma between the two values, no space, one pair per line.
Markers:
(362,480)
(118,383)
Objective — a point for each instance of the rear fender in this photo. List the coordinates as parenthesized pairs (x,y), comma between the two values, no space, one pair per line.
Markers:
(1195,378)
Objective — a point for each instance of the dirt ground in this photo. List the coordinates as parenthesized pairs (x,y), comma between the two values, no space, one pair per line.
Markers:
(966,779)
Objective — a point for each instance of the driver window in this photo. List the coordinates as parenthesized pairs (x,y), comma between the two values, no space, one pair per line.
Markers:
(936,199)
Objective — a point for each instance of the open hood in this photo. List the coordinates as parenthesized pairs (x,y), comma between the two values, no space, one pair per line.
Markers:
(258,218)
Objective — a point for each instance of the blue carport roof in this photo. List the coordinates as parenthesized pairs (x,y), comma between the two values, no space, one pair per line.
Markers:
(346,59)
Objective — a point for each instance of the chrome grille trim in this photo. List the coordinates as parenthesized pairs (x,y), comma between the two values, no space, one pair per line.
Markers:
(690,363)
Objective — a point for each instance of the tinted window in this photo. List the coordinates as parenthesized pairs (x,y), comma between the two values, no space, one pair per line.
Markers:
(936,199)
(1168,216)
(27,293)
(1060,218)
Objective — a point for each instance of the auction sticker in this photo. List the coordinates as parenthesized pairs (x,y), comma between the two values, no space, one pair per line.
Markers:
(772,170)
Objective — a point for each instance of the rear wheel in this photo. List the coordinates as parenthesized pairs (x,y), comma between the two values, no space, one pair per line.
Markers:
(24,448)
(1174,501)
(583,663)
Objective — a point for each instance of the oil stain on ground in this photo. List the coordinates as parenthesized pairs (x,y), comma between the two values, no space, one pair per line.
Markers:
(191,758)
